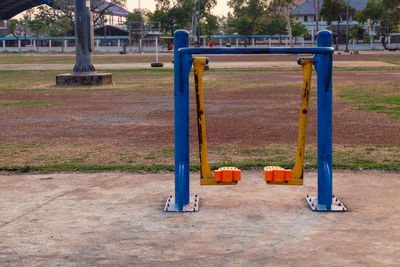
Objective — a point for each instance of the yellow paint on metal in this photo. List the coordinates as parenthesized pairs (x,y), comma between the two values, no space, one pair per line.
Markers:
(298,181)
(205,171)
(208,181)
(298,169)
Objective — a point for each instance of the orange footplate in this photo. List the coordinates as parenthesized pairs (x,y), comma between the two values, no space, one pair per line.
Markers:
(227,174)
(277,174)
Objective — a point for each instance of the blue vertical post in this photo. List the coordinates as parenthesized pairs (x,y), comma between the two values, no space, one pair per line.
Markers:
(324,94)
(181,102)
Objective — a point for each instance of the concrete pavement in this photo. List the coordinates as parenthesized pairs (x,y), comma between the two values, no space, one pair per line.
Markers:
(116,219)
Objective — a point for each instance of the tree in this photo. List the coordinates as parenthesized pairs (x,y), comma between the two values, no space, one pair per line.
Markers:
(356,32)
(100,8)
(285,7)
(36,27)
(299,29)
(317,6)
(335,10)
(246,15)
(26,16)
(210,25)
(172,14)
(384,17)
(135,23)
(177,14)
(15,28)
(272,25)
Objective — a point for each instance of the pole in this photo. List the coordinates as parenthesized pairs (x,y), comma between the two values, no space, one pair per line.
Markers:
(347,26)
(316,9)
(83,37)
(195,20)
(198,23)
(182,69)
(324,94)
(156,48)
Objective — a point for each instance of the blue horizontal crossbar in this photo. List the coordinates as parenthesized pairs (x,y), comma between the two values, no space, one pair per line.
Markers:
(316,50)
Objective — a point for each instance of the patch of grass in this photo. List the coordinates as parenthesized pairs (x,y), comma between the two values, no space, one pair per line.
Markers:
(381,98)
(392,60)
(82,154)
(155,168)
(27,103)
(26,71)
(74,167)
(374,69)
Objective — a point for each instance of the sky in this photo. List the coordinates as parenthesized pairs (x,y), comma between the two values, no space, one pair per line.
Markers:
(220,9)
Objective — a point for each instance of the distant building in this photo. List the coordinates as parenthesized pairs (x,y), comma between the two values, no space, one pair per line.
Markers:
(116,15)
(305,13)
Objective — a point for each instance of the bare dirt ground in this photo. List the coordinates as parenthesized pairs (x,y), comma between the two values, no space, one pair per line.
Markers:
(138,116)
(267,112)
(116,219)
(213,64)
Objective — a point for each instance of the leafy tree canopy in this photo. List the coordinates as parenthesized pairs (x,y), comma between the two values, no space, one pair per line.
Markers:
(177,14)
(299,29)
(247,15)
(335,10)
(210,25)
(15,27)
(383,16)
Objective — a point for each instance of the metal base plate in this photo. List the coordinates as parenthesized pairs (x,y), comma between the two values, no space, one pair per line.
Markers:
(193,205)
(336,204)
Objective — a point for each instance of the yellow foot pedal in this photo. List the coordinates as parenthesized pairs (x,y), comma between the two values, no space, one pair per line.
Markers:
(227,174)
(278,175)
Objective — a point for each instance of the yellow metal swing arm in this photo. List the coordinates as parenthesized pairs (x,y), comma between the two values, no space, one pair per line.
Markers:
(206,175)
(296,175)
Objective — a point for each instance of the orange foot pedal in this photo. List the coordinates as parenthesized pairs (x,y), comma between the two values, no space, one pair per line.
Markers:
(278,175)
(227,174)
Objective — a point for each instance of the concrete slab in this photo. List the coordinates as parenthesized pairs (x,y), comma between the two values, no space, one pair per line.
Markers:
(117,219)
(79,79)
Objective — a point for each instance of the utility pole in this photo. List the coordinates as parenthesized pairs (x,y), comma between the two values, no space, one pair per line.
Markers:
(347,26)
(316,4)
(194,25)
(139,4)
(198,23)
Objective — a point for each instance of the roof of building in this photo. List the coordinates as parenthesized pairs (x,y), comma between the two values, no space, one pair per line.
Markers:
(114,9)
(10,8)
(307,8)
